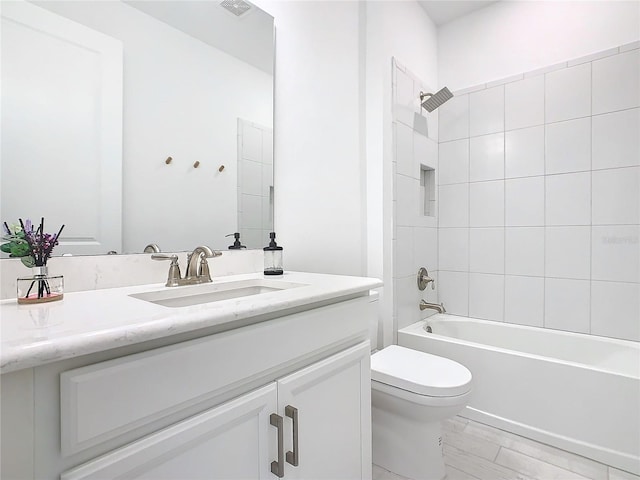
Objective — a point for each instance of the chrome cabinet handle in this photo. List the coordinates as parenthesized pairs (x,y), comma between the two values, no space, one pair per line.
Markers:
(293,456)
(277,467)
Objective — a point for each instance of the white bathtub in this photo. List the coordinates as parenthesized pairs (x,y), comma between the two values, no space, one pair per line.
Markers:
(580,393)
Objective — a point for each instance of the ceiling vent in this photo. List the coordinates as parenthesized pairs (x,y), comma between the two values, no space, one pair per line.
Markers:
(237,7)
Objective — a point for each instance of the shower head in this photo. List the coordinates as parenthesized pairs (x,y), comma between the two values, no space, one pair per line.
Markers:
(434,100)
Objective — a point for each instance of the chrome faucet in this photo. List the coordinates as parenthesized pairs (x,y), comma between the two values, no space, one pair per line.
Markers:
(438,308)
(197,267)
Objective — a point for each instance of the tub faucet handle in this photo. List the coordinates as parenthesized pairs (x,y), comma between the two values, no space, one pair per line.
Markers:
(424,279)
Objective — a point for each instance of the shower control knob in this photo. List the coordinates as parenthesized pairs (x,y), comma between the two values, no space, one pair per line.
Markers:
(424,279)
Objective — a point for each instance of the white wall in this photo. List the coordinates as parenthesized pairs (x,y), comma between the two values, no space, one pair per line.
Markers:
(510,37)
(415,233)
(177,103)
(540,198)
(319,196)
(400,30)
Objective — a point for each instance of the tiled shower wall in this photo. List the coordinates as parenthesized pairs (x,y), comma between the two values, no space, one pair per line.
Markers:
(539,197)
(415,234)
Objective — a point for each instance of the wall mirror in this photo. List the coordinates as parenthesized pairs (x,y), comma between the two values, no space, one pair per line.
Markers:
(138,122)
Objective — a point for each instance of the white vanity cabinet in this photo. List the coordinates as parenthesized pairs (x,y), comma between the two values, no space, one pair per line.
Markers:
(216,406)
(253,436)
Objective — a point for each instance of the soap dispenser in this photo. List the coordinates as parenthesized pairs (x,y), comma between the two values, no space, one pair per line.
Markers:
(236,245)
(273,257)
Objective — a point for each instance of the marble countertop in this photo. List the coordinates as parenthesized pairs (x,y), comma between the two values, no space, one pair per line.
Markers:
(98,320)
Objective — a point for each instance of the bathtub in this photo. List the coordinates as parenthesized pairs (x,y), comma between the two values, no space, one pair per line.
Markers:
(577,392)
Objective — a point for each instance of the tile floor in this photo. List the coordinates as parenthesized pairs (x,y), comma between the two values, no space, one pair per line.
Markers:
(473,451)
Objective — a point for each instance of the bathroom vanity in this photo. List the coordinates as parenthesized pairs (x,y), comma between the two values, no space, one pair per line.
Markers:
(130,382)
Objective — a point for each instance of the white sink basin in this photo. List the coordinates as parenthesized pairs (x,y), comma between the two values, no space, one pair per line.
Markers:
(213,292)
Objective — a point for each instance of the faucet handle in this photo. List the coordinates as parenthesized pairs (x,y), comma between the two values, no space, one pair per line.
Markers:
(424,279)
(174,269)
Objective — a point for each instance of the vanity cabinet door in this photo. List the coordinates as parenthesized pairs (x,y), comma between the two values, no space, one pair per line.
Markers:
(232,441)
(332,402)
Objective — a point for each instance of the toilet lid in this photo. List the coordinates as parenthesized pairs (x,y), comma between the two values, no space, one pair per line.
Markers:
(420,372)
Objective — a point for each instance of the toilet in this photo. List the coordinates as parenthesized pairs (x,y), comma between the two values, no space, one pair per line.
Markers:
(411,393)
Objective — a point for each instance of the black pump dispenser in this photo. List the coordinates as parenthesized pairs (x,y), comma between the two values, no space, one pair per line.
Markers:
(273,257)
(236,245)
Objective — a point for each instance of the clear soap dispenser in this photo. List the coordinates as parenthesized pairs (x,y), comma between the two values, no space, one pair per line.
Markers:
(273,257)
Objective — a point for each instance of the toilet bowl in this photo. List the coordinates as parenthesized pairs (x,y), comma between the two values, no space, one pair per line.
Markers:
(411,393)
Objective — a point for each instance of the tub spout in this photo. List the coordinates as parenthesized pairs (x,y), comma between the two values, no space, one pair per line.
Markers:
(439,308)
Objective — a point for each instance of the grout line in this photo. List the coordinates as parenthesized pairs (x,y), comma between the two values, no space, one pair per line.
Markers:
(504,206)
(544,236)
(591,204)
(469,209)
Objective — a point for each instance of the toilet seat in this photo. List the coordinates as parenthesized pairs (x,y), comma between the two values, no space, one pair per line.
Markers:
(419,372)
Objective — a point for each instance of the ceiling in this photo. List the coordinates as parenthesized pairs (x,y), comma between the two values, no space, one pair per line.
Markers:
(248,37)
(444,11)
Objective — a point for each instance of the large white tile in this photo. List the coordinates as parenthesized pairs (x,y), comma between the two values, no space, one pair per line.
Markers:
(568,199)
(524,300)
(524,152)
(486,204)
(455,474)
(568,146)
(453,205)
(533,467)
(479,467)
(615,139)
(453,119)
(524,103)
(554,456)
(568,252)
(407,301)
(251,211)
(453,291)
(486,296)
(407,200)
(404,149)
(486,157)
(524,202)
(486,111)
(615,474)
(267,179)
(425,248)
(380,473)
(406,100)
(616,82)
(453,253)
(567,304)
(568,93)
(524,251)
(615,253)
(404,264)
(425,152)
(453,162)
(469,444)
(615,309)
(486,250)
(616,196)
(251,177)
(252,144)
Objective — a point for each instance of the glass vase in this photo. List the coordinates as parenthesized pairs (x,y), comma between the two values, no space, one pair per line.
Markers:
(40,287)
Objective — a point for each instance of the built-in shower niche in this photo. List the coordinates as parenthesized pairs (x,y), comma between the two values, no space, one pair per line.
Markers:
(427,191)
